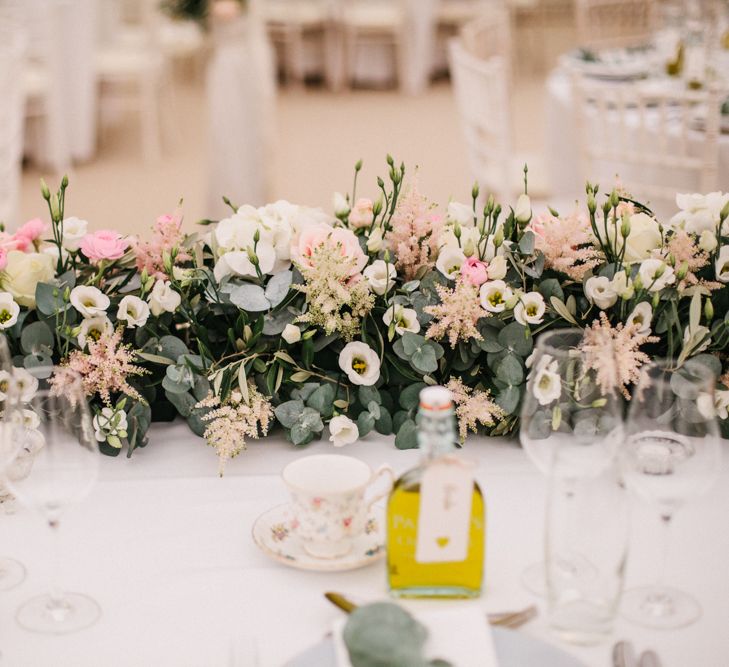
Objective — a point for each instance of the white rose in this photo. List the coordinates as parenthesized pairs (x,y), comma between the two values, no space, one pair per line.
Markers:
(74,230)
(655,274)
(23,272)
(699,212)
(89,301)
(291,334)
(599,290)
(133,310)
(450,261)
(497,268)
(341,205)
(92,328)
(163,298)
(343,431)
(494,295)
(238,231)
(530,309)
(361,363)
(9,310)
(707,240)
(547,384)
(405,319)
(722,265)
(523,210)
(460,213)
(375,240)
(642,315)
(644,237)
(380,276)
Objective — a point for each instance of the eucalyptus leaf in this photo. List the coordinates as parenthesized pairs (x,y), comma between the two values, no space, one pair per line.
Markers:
(526,244)
(517,338)
(278,287)
(510,370)
(322,399)
(289,412)
(383,424)
(508,399)
(424,360)
(249,297)
(365,423)
(36,337)
(171,347)
(367,395)
(410,396)
(407,435)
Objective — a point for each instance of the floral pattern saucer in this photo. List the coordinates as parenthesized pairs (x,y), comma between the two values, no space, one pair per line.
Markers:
(274,534)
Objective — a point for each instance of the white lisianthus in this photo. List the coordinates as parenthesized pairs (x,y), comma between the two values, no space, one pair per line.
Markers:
(343,431)
(722,265)
(655,274)
(341,205)
(699,213)
(622,285)
(23,271)
(497,268)
(642,315)
(707,240)
(241,262)
(133,310)
(25,384)
(92,328)
(291,334)
(599,290)
(450,261)
(380,276)
(110,425)
(74,229)
(494,294)
(361,363)
(530,309)
(163,299)
(547,384)
(375,240)
(705,405)
(89,301)
(467,242)
(713,408)
(31,420)
(9,310)
(405,319)
(460,213)
(523,210)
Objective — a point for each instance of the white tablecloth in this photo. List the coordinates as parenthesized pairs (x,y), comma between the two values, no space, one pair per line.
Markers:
(164,545)
(562,148)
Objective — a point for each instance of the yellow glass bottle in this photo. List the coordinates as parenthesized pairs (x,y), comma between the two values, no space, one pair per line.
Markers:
(436,514)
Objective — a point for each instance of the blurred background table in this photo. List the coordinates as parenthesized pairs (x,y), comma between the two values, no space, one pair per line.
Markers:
(164,545)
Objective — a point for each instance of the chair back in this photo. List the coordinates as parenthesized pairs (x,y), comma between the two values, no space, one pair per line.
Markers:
(482,92)
(614,23)
(659,141)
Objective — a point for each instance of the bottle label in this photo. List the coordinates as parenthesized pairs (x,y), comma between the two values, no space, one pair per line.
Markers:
(446,496)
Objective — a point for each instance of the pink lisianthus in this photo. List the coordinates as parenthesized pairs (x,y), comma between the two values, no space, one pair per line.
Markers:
(104,244)
(316,236)
(475,271)
(28,233)
(361,215)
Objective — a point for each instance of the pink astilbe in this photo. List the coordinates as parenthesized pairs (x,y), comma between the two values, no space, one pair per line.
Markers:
(683,248)
(230,422)
(414,234)
(473,407)
(567,244)
(104,369)
(167,239)
(457,314)
(622,368)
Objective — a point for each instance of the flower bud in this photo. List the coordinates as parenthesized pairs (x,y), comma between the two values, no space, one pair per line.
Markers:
(64,181)
(374,242)
(638,283)
(499,237)
(247,333)
(457,230)
(591,204)
(724,214)
(308,334)
(614,199)
(670,260)
(44,190)
(625,227)
(341,205)
(358,165)
(390,161)
(682,271)
(707,241)
(708,310)
(377,208)
(475,191)
(386,256)
(490,203)
(252,256)
(469,248)
(257,236)
(656,299)
(55,207)
(661,270)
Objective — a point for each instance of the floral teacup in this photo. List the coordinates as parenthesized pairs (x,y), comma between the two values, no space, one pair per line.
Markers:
(328,500)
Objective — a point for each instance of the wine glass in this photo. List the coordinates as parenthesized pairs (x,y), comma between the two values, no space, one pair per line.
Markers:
(672,452)
(12,572)
(55,424)
(565,409)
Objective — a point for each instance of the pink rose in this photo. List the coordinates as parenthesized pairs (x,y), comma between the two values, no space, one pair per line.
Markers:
(28,233)
(3,258)
(475,271)
(361,215)
(315,236)
(538,222)
(104,244)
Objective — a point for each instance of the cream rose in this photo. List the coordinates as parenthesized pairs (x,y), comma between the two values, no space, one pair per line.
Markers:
(343,431)
(644,237)
(23,272)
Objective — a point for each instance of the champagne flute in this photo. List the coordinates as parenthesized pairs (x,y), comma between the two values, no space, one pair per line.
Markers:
(56,424)
(12,572)
(565,411)
(672,452)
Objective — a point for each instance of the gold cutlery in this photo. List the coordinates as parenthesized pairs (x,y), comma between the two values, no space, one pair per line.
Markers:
(507,619)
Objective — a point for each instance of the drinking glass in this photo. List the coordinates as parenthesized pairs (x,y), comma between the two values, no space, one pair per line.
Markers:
(55,422)
(12,572)
(565,409)
(672,452)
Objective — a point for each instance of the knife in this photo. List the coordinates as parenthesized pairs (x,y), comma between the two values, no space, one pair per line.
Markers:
(509,619)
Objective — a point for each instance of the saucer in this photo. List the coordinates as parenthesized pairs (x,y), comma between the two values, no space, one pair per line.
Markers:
(273,534)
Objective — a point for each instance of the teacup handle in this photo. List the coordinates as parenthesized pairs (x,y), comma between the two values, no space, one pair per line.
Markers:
(382,470)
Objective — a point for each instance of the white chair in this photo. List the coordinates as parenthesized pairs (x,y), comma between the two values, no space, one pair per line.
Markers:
(11,110)
(614,23)
(481,85)
(658,141)
(131,71)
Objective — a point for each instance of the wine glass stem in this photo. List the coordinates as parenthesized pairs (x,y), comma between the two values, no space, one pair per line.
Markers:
(665,544)
(54,589)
